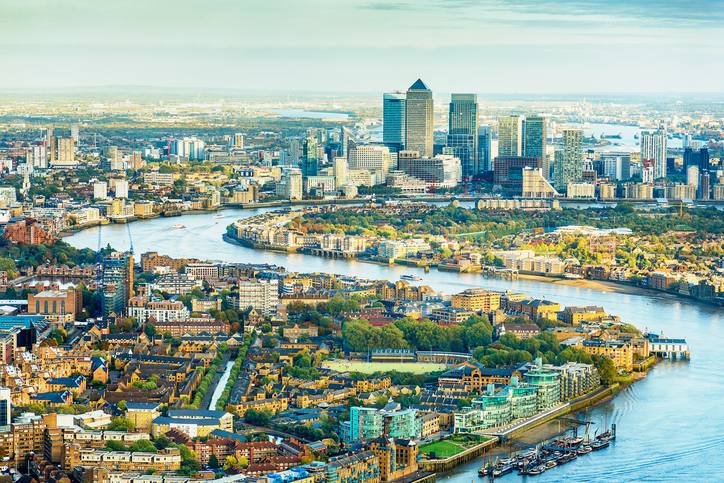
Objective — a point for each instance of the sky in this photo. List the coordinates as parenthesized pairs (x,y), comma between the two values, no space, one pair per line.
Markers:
(495,46)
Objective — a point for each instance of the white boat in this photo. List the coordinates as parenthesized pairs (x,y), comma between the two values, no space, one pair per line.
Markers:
(178,227)
(573,275)
(217,217)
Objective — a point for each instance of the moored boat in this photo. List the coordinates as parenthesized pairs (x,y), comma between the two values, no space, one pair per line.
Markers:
(178,227)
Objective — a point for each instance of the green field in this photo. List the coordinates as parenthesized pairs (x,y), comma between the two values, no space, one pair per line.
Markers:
(372,367)
(442,449)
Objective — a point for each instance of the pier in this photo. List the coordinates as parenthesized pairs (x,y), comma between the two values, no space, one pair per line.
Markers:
(492,272)
(669,348)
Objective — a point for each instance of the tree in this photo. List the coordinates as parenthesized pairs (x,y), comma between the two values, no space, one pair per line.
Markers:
(150,330)
(230,461)
(243,462)
(162,442)
(142,445)
(122,405)
(114,445)
(256,417)
(266,328)
(213,462)
(121,424)
(606,370)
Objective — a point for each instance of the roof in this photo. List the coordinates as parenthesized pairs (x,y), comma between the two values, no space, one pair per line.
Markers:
(196,421)
(419,86)
(196,413)
(141,406)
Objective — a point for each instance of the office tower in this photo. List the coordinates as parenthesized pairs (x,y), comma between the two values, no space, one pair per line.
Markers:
(535,131)
(53,148)
(5,407)
(535,185)
(293,152)
(393,118)
(100,190)
(376,159)
(49,136)
(705,183)
(510,136)
(485,158)
(696,157)
(74,133)
(509,171)
(310,166)
(117,283)
(569,160)
(692,176)
(121,188)
(653,149)
(137,161)
(188,149)
(463,132)
(419,111)
(340,170)
(686,141)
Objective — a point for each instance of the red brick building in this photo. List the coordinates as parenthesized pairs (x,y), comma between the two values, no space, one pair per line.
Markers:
(27,232)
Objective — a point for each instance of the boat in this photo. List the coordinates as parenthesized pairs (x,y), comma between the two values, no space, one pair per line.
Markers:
(409,277)
(551,464)
(584,450)
(537,470)
(600,444)
(217,216)
(502,470)
(576,441)
(178,227)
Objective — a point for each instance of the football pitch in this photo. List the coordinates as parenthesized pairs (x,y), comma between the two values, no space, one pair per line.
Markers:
(372,367)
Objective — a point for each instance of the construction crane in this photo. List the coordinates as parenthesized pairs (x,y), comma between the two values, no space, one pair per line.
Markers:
(130,240)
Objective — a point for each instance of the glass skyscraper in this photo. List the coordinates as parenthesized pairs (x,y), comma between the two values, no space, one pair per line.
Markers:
(463,132)
(485,161)
(419,119)
(393,118)
(569,161)
(309,157)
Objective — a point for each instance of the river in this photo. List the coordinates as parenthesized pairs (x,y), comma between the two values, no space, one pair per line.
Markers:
(668,425)
(220,386)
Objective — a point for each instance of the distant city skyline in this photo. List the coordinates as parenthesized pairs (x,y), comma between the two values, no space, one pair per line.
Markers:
(526,46)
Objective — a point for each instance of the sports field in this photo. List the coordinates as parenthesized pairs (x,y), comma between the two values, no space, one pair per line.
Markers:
(442,449)
(372,367)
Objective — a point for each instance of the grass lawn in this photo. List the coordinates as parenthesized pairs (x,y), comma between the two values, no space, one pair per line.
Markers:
(442,449)
(372,367)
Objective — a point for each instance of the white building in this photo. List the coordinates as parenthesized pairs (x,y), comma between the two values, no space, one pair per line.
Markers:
(376,159)
(161,311)
(581,190)
(339,171)
(291,184)
(201,271)
(653,151)
(692,176)
(100,190)
(121,188)
(263,295)
(37,156)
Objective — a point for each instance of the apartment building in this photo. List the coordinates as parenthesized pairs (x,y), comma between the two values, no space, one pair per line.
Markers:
(478,300)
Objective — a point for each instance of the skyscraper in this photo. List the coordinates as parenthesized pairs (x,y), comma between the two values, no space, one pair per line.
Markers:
(340,169)
(653,150)
(310,166)
(419,119)
(5,408)
(293,153)
(393,118)
(463,132)
(569,160)
(535,130)
(74,133)
(510,135)
(485,159)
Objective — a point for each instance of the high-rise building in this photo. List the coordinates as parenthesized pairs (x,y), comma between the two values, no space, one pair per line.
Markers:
(535,131)
(37,156)
(100,190)
(692,176)
(310,165)
(569,161)
(291,184)
(66,149)
(393,118)
(485,157)
(340,168)
(121,188)
(236,141)
(463,132)
(293,153)
(699,158)
(117,283)
(653,149)
(419,111)
(74,133)
(263,295)
(705,191)
(510,136)
(615,166)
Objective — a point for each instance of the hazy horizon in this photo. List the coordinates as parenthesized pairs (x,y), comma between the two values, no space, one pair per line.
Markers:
(517,46)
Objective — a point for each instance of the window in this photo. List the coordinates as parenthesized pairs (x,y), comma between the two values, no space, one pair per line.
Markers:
(55,307)
(37,306)
(45,307)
